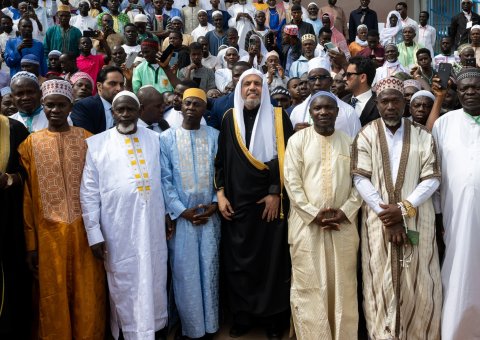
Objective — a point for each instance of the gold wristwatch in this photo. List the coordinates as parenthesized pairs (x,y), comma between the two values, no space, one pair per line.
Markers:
(411,210)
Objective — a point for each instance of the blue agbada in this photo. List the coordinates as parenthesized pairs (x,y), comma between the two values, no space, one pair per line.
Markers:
(187,159)
(13,57)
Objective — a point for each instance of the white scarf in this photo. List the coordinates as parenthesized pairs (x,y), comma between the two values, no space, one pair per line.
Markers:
(388,34)
(361,42)
(263,143)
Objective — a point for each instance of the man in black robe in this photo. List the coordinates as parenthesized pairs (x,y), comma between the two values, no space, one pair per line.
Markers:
(251,198)
(15,278)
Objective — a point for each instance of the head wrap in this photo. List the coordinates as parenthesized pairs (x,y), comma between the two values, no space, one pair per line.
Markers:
(24,74)
(263,144)
(125,94)
(466,72)
(81,75)
(291,29)
(390,83)
(176,18)
(57,86)
(195,92)
(389,34)
(359,27)
(5,90)
(422,93)
(63,8)
(308,37)
(463,47)
(319,62)
(140,18)
(272,53)
(280,90)
(215,13)
(30,59)
(55,53)
(312,3)
(413,83)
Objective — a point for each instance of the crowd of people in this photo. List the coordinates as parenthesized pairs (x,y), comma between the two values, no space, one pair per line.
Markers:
(168,165)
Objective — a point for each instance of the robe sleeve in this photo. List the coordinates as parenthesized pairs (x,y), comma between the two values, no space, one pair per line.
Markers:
(91,201)
(173,205)
(294,184)
(29,223)
(429,161)
(219,179)
(362,155)
(351,205)
(11,55)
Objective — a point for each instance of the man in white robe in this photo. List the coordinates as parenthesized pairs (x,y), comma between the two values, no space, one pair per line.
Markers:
(242,18)
(319,79)
(391,66)
(322,229)
(124,215)
(396,172)
(457,134)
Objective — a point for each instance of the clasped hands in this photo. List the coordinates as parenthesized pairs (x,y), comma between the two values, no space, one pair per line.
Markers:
(330,218)
(199,218)
(392,219)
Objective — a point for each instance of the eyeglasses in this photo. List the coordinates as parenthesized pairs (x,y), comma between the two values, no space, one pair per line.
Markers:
(349,74)
(315,78)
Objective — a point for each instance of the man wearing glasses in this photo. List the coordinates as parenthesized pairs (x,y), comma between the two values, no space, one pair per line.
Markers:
(359,77)
(319,79)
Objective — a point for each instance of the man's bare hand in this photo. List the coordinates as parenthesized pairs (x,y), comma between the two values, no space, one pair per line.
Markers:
(396,234)
(99,250)
(170,227)
(272,204)
(224,206)
(391,215)
(338,217)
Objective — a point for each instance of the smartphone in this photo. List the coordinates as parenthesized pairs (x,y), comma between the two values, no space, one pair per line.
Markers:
(166,53)
(444,71)
(331,46)
(130,59)
(90,34)
(174,59)
(252,41)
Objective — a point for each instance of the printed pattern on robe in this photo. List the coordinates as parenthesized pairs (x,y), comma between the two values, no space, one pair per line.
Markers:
(138,165)
(194,154)
(59,182)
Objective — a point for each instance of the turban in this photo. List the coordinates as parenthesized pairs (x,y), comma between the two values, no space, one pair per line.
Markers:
(280,90)
(140,18)
(57,86)
(466,72)
(308,37)
(81,75)
(24,74)
(55,53)
(63,8)
(390,83)
(422,93)
(413,83)
(30,59)
(291,29)
(195,92)
(125,94)
(4,91)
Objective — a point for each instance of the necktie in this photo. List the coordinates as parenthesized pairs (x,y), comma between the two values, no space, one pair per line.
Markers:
(353,102)
(150,127)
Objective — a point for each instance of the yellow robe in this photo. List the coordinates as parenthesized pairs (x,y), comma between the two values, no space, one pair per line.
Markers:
(324,262)
(71,280)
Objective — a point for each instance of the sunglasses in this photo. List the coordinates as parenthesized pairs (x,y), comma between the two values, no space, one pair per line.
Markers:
(315,78)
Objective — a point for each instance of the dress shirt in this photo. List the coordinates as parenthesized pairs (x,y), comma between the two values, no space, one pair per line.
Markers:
(155,126)
(362,100)
(107,107)
(427,36)
(84,23)
(371,196)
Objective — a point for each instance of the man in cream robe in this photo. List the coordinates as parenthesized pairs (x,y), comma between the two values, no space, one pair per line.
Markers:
(457,134)
(394,165)
(324,261)
(124,215)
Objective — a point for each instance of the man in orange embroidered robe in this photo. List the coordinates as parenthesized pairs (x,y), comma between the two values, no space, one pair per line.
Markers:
(71,280)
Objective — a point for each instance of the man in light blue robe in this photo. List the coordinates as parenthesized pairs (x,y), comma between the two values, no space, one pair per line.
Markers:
(187,158)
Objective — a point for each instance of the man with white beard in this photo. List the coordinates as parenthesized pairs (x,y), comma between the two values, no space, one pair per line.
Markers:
(124,215)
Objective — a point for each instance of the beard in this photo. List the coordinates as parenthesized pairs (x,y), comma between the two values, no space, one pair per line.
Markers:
(250,104)
(126,129)
(391,122)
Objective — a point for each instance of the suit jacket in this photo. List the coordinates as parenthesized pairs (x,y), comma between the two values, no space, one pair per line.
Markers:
(88,113)
(458,28)
(370,111)
(370,20)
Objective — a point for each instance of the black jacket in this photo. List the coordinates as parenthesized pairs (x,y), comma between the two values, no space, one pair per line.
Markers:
(370,20)
(370,111)
(458,28)
(88,113)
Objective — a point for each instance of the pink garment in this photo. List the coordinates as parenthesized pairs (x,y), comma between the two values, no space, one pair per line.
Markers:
(91,65)
(337,37)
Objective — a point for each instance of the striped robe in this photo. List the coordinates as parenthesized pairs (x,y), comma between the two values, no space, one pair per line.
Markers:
(399,303)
